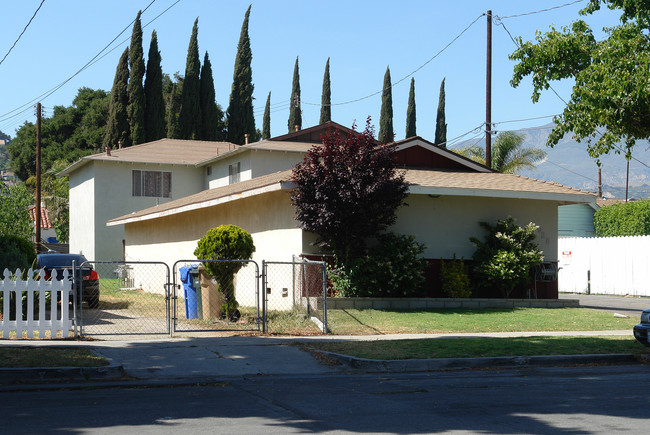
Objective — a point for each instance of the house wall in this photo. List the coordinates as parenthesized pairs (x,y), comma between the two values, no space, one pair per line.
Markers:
(268,217)
(220,173)
(445,224)
(576,220)
(254,163)
(266,162)
(107,185)
(82,212)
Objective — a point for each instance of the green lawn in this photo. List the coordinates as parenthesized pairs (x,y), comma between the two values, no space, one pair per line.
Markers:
(483,347)
(11,357)
(344,322)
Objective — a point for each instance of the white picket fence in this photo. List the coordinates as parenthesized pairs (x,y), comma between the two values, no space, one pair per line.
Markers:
(54,318)
(605,265)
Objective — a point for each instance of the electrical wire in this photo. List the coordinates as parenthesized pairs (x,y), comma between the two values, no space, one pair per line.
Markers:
(95,58)
(406,76)
(21,33)
(542,10)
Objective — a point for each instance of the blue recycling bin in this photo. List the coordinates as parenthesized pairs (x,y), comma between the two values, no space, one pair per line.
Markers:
(189,279)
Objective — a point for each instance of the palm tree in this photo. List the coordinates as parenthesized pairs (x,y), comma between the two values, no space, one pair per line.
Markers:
(508,156)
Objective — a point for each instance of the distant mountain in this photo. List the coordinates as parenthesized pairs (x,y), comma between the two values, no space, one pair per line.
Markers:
(569,163)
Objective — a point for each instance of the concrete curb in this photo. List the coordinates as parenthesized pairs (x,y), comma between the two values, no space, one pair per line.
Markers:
(439,364)
(39,375)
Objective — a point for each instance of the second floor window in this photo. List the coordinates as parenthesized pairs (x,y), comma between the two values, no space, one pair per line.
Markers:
(155,184)
(233,173)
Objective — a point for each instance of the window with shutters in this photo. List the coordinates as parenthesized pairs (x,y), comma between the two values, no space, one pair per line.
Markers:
(155,184)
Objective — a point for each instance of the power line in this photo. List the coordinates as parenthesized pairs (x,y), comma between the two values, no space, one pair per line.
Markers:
(95,58)
(408,75)
(523,119)
(573,172)
(21,33)
(542,10)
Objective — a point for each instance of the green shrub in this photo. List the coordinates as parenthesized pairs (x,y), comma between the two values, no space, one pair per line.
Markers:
(16,253)
(391,269)
(508,256)
(225,242)
(338,281)
(626,219)
(455,279)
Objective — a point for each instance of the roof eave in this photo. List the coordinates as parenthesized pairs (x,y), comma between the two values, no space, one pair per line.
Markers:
(562,198)
(127,219)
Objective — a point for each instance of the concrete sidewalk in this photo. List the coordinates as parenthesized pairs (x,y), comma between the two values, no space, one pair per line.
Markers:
(190,360)
(208,357)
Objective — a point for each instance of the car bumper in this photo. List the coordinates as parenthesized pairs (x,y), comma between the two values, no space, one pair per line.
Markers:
(641,333)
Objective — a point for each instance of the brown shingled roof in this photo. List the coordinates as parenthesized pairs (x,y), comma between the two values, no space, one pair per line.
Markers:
(211,197)
(163,151)
(486,181)
(441,182)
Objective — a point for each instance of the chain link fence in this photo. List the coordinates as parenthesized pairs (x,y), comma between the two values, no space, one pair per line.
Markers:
(216,295)
(120,298)
(145,298)
(295,297)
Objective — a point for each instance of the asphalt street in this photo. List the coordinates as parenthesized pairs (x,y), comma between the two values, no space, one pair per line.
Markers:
(567,400)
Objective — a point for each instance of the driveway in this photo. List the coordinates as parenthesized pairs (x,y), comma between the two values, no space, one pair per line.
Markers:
(628,305)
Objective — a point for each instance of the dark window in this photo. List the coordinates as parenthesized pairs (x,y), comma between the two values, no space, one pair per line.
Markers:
(233,173)
(155,184)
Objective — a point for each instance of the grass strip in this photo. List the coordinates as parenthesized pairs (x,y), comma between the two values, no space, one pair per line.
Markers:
(21,357)
(354,321)
(482,347)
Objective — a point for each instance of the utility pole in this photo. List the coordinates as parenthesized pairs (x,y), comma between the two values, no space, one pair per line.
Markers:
(37,209)
(488,94)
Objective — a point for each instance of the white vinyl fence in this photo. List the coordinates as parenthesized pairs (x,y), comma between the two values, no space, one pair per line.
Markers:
(34,305)
(605,265)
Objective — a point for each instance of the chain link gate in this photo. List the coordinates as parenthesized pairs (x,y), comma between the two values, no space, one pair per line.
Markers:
(295,297)
(122,298)
(216,295)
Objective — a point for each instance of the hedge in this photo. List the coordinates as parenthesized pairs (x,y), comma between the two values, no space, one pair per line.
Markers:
(625,219)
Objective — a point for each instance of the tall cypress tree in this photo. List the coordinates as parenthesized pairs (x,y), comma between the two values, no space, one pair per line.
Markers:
(240,108)
(441,126)
(173,96)
(136,91)
(410,112)
(211,115)
(266,126)
(386,133)
(117,127)
(154,114)
(326,98)
(189,120)
(295,114)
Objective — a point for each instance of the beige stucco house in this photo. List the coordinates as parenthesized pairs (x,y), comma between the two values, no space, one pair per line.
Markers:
(249,186)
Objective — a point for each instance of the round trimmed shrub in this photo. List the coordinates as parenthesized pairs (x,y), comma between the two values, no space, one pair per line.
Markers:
(225,242)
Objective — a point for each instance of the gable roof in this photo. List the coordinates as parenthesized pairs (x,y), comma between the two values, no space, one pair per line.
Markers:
(265,145)
(421,181)
(418,152)
(313,134)
(162,151)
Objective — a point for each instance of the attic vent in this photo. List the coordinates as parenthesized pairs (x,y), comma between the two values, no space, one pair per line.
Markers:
(208,171)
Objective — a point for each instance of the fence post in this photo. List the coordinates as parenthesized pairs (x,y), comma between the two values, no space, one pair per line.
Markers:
(264,296)
(588,281)
(325,326)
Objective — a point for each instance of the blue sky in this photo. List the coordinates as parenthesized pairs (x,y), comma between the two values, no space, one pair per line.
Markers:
(362,38)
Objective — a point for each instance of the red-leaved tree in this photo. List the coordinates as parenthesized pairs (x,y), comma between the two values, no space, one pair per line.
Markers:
(348,190)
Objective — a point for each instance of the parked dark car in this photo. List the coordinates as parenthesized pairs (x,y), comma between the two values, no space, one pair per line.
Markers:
(87,279)
(641,330)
